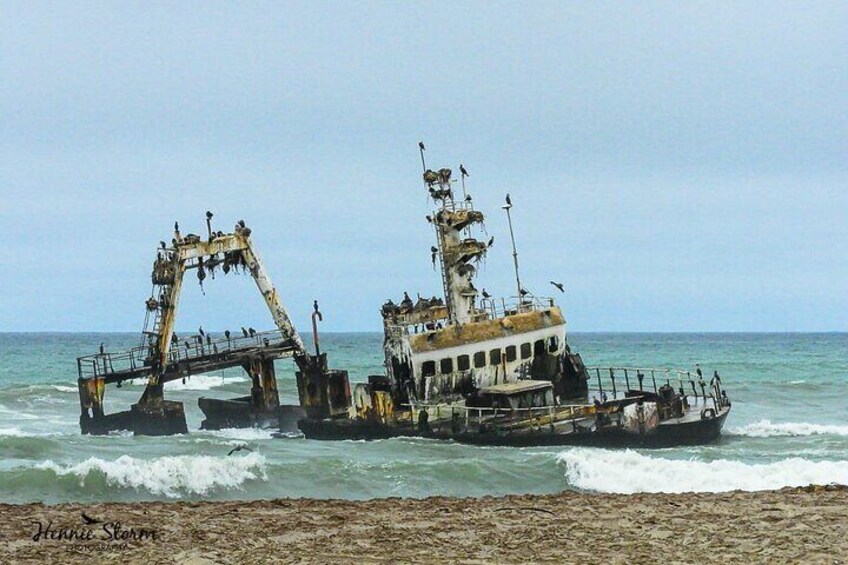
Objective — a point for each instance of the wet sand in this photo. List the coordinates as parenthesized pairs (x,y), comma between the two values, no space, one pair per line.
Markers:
(808,525)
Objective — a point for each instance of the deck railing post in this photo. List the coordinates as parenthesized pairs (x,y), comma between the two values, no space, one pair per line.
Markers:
(654,380)
(612,380)
(626,379)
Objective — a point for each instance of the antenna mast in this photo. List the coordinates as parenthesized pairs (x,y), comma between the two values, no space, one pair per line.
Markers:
(507,207)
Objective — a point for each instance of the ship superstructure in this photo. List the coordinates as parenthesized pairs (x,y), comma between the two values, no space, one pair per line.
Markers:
(471,368)
(448,349)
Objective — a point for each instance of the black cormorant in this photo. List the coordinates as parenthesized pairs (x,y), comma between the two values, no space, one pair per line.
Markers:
(240,447)
(560,286)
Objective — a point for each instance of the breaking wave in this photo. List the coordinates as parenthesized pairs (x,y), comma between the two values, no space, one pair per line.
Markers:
(629,472)
(765,428)
(172,477)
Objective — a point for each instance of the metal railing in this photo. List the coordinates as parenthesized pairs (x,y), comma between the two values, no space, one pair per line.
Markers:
(609,380)
(443,414)
(490,308)
(193,348)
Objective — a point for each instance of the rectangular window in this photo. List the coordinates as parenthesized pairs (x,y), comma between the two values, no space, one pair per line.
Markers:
(446,366)
(428,368)
(463,363)
(553,345)
(495,357)
(510,353)
(525,351)
(479,359)
(539,347)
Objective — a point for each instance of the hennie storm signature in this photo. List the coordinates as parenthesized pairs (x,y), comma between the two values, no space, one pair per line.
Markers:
(92,530)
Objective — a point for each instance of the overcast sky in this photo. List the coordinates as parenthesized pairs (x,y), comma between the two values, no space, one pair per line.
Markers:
(679,166)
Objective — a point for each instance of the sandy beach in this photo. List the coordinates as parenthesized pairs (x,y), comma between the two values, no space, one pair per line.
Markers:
(807,525)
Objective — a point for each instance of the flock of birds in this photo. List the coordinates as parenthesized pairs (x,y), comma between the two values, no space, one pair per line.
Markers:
(201,337)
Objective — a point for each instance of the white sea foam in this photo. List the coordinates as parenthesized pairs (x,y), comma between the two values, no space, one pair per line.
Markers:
(202,382)
(630,472)
(765,428)
(63,388)
(244,434)
(12,431)
(168,476)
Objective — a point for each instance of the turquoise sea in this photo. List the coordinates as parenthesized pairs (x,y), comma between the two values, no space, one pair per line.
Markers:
(789,426)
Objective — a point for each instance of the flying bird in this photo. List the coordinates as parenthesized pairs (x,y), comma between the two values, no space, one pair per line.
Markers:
(559,286)
(463,171)
(240,447)
(88,519)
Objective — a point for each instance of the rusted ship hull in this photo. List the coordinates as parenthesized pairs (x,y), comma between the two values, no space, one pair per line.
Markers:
(667,434)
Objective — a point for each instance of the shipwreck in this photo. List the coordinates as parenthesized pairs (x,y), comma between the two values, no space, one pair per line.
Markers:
(464,366)
(162,356)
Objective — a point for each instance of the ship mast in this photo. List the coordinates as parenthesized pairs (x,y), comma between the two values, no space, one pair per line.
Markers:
(458,252)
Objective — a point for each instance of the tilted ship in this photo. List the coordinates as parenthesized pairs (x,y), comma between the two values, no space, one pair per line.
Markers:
(475,369)
(464,367)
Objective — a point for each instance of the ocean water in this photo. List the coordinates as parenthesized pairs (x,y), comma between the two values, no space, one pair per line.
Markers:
(789,426)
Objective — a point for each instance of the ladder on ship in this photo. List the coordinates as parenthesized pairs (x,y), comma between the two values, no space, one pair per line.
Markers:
(444,268)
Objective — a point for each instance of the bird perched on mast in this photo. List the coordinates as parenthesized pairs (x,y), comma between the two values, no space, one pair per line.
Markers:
(463,171)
